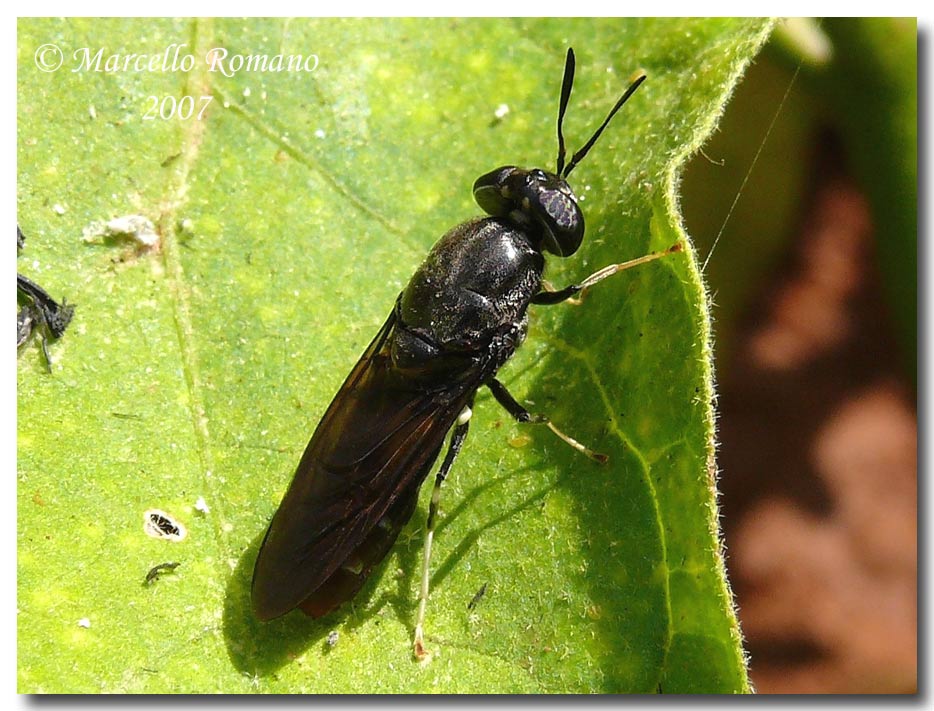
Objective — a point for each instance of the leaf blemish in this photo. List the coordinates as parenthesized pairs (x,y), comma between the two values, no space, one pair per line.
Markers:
(159,524)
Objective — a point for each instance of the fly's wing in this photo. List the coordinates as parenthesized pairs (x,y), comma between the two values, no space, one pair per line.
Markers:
(355,486)
(344,582)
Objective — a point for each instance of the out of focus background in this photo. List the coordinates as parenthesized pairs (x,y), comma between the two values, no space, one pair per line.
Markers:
(814,281)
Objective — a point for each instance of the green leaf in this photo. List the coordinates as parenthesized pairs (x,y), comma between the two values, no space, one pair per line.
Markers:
(290,217)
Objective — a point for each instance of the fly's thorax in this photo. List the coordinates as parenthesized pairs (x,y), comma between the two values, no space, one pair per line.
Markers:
(475,284)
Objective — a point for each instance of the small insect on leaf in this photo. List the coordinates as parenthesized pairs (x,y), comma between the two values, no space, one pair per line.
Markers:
(157,570)
(38,312)
(159,524)
(477,597)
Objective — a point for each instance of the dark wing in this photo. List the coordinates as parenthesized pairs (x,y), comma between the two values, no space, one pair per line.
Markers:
(356,485)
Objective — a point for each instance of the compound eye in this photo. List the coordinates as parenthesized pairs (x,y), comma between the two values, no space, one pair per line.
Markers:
(561,209)
(492,192)
(534,197)
(562,220)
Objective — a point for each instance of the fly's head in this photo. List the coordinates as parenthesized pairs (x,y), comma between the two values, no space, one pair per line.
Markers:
(537,200)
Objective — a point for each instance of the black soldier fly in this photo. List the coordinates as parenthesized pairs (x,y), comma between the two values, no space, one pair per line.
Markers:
(461,317)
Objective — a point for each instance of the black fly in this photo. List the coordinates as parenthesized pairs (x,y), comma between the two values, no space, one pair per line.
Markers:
(38,312)
(461,317)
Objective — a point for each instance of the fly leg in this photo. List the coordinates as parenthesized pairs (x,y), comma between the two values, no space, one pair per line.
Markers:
(522,415)
(556,297)
(457,441)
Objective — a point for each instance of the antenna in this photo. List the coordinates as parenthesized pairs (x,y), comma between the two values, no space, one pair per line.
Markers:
(565,97)
(566,84)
